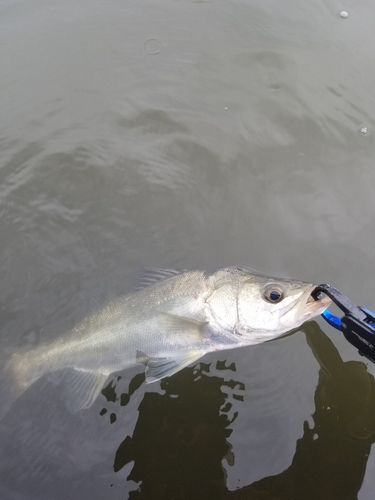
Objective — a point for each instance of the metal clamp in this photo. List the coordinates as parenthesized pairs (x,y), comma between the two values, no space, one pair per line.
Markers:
(357,324)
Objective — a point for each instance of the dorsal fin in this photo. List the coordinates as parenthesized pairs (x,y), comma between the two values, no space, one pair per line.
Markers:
(150,276)
(99,298)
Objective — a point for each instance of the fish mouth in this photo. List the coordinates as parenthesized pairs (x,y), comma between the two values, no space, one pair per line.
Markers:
(310,306)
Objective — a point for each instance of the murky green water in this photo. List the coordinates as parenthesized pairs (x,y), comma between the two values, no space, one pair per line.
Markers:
(189,135)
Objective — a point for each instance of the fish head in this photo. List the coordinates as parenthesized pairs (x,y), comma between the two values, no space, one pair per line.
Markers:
(268,307)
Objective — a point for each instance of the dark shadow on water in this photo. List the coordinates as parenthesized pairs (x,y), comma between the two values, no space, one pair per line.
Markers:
(330,458)
(181,436)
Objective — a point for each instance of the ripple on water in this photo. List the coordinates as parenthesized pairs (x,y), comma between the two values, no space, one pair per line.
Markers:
(153,46)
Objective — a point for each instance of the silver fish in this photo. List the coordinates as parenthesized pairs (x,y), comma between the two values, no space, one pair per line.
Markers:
(171,322)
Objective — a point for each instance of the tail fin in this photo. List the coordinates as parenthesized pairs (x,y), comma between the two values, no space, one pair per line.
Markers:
(15,378)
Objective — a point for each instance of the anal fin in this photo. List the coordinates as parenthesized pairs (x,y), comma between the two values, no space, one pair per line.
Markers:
(82,387)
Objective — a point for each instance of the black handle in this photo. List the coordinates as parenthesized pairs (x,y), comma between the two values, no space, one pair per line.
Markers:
(357,325)
(345,304)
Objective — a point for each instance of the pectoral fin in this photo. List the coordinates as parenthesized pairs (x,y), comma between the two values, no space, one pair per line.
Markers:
(158,368)
(82,387)
(182,329)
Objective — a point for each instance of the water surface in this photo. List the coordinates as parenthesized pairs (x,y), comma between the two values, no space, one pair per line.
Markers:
(190,135)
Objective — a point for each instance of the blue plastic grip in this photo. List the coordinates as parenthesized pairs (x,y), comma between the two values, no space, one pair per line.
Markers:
(333,320)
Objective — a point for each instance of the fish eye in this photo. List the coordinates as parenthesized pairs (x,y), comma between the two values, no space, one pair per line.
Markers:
(273,293)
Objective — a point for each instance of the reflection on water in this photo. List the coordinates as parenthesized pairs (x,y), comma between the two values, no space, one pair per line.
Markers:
(180,438)
(180,446)
(331,457)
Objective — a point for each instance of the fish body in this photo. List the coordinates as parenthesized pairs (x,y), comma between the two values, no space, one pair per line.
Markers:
(172,321)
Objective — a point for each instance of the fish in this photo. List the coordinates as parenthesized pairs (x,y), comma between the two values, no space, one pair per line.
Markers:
(171,321)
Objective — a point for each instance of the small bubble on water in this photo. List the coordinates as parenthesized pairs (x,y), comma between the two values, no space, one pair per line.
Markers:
(152,46)
(364,130)
(343,14)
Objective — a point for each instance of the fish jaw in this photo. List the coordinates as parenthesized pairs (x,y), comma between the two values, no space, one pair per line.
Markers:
(309,307)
